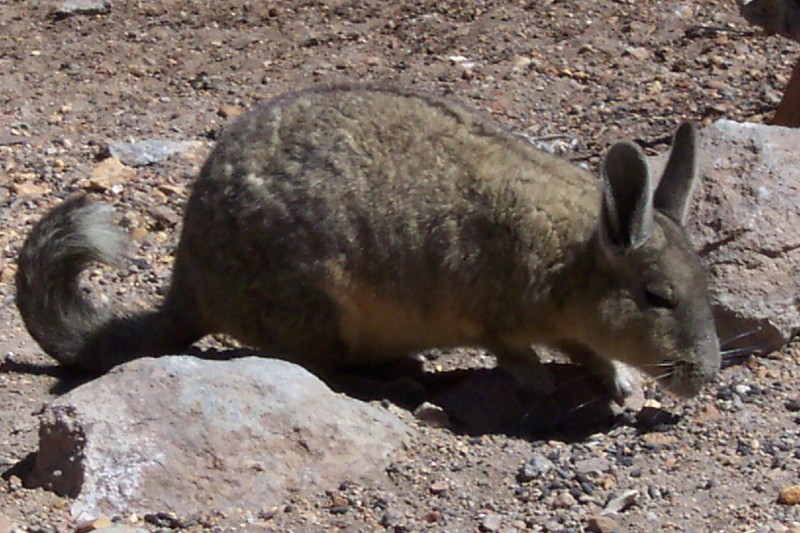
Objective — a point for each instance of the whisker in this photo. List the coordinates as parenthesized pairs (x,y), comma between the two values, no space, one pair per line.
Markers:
(736,352)
(741,335)
(587,403)
(666,363)
(664,375)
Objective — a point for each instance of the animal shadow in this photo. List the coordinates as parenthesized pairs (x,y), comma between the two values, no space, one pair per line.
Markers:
(489,401)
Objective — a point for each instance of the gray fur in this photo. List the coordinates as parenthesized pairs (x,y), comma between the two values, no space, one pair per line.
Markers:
(357,224)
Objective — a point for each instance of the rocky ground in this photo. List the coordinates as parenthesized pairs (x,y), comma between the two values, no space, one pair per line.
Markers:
(585,73)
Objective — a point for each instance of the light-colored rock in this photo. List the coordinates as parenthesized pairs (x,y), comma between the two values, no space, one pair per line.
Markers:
(491,522)
(744,222)
(534,468)
(109,174)
(602,524)
(148,152)
(82,7)
(790,495)
(188,435)
(593,465)
(617,504)
(432,415)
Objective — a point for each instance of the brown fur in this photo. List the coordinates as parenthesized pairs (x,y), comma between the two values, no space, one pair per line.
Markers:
(357,224)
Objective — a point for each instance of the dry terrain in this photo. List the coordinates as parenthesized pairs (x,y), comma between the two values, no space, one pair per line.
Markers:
(581,74)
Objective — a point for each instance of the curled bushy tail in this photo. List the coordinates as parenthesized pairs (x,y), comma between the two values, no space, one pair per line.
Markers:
(65,324)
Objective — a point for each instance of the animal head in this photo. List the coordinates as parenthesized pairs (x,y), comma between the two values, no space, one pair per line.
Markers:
(652,306)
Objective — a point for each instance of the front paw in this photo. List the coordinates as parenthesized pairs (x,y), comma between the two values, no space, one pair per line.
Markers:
(619,381)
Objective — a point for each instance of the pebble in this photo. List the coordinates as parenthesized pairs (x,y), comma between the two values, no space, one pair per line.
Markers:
(491,522)
(107,174)
(618,504)
(102,522)
(147,152)
(602,524)
(789,495)
(595,465)
(393,520)
(438,487)
(534,468)
(82,7)
(564,500)
(29,189)
(230,111)
(432,415)
(658,439)
(793,405)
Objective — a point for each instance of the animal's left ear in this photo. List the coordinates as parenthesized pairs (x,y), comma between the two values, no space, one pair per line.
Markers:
(627,206)
(674,192)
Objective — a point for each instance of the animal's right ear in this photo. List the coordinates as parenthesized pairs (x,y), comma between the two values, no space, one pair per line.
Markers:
(627,208)
(674,191)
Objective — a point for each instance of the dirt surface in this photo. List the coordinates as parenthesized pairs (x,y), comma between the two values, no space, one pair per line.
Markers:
(586,73)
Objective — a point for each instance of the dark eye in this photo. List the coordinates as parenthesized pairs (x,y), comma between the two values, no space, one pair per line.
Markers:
(657,299)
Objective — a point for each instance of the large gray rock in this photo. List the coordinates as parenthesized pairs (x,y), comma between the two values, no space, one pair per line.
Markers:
(188,435)
(746,223)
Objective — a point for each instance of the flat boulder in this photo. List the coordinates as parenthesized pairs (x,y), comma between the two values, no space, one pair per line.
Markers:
(188,435)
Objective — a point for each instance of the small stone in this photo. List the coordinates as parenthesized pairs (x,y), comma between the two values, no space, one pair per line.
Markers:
(147,152)
(741,389)
(595,465)
(658,439)
(93,525)
(230,111)
(638,52)
(789,495)
(602,524)
(533,468)
(29,189)
(172,190)
(165,215)
(393,520)
(14,483)
(7,274)
(432,517)
(82,7)
(108,173)
(651,404)
(491,522)
(138,234)
(438,487)
(708,413)
(432,415)
(564,500)
(618,504)
(793,405)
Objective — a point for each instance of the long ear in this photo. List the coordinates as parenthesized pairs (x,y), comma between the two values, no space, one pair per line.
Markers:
(627,210)
(674,192)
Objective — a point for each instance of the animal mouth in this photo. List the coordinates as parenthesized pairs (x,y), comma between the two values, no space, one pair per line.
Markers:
(681,378)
